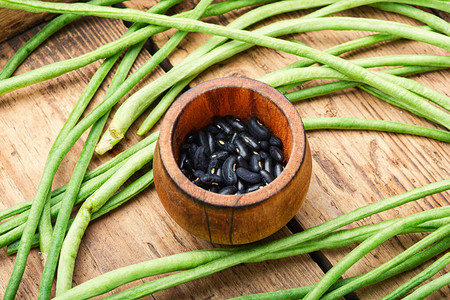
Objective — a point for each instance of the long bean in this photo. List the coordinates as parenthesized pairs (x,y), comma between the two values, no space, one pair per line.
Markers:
(429,288)
(84,159)
(413,262)
(426,274)
(285,243)
(92,204)
(371,276)
(113,279)
(372,242)
(377,125)
(56,69)
(43,34)
(118,199)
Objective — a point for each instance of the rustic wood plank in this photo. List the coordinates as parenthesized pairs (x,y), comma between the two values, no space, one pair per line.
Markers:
(14,22)
(141,230)
(361,166)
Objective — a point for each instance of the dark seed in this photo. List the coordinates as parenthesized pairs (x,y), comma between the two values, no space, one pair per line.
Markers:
(249,141)
(258,130)
(200,161)
(188,164)
(241,186)
(264,154)
(211,144)
(220,155)
(213,129)
(254,163)
(214,189)
(241,162)
(197,174)
(236,123)
(275,141)
(211,179)
(202,140)
(264,145)
(219,172)
(277,170)
(276,153)
(228,190)
(213,166)
(248,175)
(223,125)
(192,151)
(233,137)
(224,145)
(241,149)
(186,172)
(221,136)
(181,160)
(190,139)
(266,176)
(184,147)
(229,170)
(268,165)
(254,188)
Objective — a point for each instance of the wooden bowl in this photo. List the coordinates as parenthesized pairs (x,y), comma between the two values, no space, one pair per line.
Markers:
(232,219)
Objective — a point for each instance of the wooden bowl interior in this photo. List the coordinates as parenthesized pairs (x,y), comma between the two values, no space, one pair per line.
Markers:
(236,101)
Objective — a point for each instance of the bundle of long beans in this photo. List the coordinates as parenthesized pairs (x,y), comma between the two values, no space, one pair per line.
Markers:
(97,189)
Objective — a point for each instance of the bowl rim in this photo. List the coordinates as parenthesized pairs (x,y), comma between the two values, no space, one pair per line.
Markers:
(208,198)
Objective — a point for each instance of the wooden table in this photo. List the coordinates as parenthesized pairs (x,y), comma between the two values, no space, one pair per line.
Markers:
(350,169)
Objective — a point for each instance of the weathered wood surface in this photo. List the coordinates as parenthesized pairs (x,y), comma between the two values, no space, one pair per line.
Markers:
(13,22)
(350,169)
(141,230)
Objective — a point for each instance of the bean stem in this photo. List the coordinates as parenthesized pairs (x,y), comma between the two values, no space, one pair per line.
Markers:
(113,279)
(376,125)
(371,276)
(426,274)
(429,288)
(413,262)
(285,243)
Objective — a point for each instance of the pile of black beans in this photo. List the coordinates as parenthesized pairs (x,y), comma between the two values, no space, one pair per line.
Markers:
(229,157)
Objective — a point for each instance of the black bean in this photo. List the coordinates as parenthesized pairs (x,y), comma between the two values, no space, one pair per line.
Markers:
(264,145)
(258,130)
(248,176)
(211,142)
(200,184)
(220,155)
(268,165)
(214,189)
(254,163)
(211,179)
(181,159)
(192,150)
(229,170)
(223,125)
(185,147)
(254,188)
(249,140)
(213,166)
(221,136)
(213,129)
(202,140)
(233,137)
(236,123)
(241,149)
(200,161)
(241,186)
(228,190)
(224,145)
(276,153)
(197,174)
(186,172)
(264,154)
(219,171)
(188,164)
(241,162)
(190,139)
(266,176)
(277,170)
(275,141)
